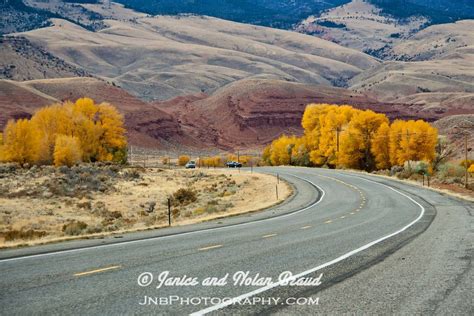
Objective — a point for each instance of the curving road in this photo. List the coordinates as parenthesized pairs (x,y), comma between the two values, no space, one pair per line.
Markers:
(338,226)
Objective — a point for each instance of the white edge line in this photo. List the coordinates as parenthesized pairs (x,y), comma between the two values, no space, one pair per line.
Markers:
(323,194)
(324,265)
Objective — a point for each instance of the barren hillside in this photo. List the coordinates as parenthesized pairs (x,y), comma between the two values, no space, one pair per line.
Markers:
(444,41)
(250,113)
(440,76)
(360,25)
(163,57)
(22,60)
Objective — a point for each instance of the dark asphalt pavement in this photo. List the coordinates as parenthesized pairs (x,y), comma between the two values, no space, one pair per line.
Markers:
(338,224)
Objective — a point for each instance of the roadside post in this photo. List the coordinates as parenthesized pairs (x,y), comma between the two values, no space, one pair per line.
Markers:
(169,212)
(276,190)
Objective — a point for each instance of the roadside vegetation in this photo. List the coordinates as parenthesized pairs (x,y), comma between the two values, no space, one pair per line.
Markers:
(47,203)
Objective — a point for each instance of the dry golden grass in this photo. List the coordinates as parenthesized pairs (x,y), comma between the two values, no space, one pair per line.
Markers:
(219,193)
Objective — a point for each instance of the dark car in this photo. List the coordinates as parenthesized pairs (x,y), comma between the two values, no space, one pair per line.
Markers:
(233,164)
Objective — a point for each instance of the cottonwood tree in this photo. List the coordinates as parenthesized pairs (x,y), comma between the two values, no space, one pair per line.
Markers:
(347,137)
(98,129)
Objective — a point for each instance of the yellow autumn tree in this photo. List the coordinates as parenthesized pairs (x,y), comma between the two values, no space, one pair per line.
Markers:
(19,142)
(67,151)
(380,148)
(300,152)
(471,169)
(281,150)
(2,158)
(99,129)
(312,122)
(347,137)
(356,142)
(412,140)
(267,151)
(333,125)
(113,144)
(47,123)
(183,159)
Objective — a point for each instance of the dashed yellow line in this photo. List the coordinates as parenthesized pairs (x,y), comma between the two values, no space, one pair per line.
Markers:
(306,227)
(269,236)
(342,216)
(352,213)
(210,247)
(96,271)
(328,222)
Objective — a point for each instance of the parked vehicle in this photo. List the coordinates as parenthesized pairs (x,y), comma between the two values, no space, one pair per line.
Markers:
(233,164)
(190,165)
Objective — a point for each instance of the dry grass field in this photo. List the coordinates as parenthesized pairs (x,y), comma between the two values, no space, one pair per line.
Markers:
(44,204)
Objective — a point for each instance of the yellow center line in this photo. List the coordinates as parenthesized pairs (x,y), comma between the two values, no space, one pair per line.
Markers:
(306,227)
(342,216)
(269,235)
(328,222)
(352,213)
(210,247)
(96,271)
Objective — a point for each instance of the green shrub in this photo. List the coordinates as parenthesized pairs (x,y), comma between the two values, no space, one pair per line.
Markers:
(449,170)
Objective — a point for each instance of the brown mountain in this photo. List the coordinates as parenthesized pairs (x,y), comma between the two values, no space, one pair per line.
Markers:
(250,113)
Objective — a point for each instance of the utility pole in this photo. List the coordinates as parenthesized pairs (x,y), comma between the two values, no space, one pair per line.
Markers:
(338,131)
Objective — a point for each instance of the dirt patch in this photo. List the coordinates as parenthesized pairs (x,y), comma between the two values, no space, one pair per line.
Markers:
(44,204)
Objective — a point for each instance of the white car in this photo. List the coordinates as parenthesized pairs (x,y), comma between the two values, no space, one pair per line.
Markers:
(190,165)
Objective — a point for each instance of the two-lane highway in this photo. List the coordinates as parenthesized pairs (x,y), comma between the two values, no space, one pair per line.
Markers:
(336,224)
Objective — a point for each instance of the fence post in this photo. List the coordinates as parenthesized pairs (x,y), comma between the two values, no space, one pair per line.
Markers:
(276,189)
(169,212)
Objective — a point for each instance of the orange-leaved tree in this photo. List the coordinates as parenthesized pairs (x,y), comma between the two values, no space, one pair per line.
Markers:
(380,148)
(412,140)
(343,136)
(98,128)
(471,169)
(19,143)
(182,160)
(67,151)
(356,142)
(1,148)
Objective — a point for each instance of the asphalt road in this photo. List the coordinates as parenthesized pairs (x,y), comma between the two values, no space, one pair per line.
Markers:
(346,230)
